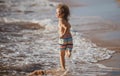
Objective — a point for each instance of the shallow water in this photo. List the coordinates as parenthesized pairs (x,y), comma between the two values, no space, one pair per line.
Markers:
(29,49)
(29,40)
(107,9)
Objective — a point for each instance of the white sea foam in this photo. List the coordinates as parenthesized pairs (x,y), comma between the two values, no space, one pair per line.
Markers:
(30,5)
(84,49)
(28,47)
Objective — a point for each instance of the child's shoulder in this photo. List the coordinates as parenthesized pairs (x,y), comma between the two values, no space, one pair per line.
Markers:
(64,22)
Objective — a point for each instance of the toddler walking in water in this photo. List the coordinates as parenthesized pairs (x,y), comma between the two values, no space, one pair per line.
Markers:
(65,37)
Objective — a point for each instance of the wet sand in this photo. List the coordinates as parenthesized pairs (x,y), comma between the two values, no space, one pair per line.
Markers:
(113,44)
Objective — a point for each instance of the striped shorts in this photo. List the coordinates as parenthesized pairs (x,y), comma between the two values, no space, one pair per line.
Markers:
(66,44)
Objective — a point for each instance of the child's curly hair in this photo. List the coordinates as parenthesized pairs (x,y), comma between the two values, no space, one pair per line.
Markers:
(64,10)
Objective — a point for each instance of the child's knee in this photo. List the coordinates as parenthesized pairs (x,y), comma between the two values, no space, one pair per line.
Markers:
(62,53)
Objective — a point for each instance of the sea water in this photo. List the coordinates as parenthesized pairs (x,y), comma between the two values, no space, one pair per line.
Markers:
(25,49)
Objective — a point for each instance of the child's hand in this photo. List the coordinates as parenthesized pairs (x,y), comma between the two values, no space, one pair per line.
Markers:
(61,36)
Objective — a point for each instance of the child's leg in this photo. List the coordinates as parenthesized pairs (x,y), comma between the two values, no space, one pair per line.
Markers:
(68,53)
(69,50)
(69,46)
(62,59)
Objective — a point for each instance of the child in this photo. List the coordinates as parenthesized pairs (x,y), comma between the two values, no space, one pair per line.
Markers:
(65,37)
